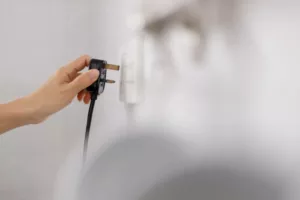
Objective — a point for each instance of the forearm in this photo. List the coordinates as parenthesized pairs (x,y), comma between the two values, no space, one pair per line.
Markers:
(57,93)
(15,114)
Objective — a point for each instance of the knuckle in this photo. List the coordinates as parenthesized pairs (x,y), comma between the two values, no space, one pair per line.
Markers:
(85,56)
(61,71)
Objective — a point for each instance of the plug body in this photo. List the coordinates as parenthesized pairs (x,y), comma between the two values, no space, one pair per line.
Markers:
(99,85)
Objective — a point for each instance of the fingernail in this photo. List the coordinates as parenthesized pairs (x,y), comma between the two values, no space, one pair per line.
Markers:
(94,74)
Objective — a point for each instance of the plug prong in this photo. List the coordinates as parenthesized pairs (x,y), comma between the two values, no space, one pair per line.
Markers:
(112,67)
(110,81)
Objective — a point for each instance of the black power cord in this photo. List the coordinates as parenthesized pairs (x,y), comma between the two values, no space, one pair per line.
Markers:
(88,127)
(96,89)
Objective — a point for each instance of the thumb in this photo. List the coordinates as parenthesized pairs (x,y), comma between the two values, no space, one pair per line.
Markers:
(84,80)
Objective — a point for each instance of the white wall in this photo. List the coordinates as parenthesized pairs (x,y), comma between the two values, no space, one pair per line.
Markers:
(37,37)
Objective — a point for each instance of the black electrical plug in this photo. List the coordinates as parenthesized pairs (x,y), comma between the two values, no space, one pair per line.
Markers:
(98,86)
(96,89)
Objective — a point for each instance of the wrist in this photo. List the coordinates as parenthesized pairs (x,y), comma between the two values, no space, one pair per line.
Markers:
(32,110)
(25,111)
(13,115)
(16,114)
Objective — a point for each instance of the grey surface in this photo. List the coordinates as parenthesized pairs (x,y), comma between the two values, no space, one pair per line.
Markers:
(130,167)
(215,184)
(158,168)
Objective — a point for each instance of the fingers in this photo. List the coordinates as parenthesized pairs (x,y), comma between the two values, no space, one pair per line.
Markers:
(85,96)
(70,71)
(78,64)
(84,80)
(80,95)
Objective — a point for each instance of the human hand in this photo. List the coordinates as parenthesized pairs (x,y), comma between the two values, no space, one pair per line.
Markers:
(59,91)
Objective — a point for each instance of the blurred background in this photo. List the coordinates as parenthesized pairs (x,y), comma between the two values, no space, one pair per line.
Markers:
(223,69)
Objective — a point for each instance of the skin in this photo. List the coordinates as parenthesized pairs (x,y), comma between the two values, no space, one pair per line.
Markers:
(57,93)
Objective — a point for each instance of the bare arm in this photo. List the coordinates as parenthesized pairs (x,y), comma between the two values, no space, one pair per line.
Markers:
(57,93)
(15,114)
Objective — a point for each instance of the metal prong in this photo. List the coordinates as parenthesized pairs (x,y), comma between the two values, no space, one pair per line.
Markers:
(110,81)
(112,67)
